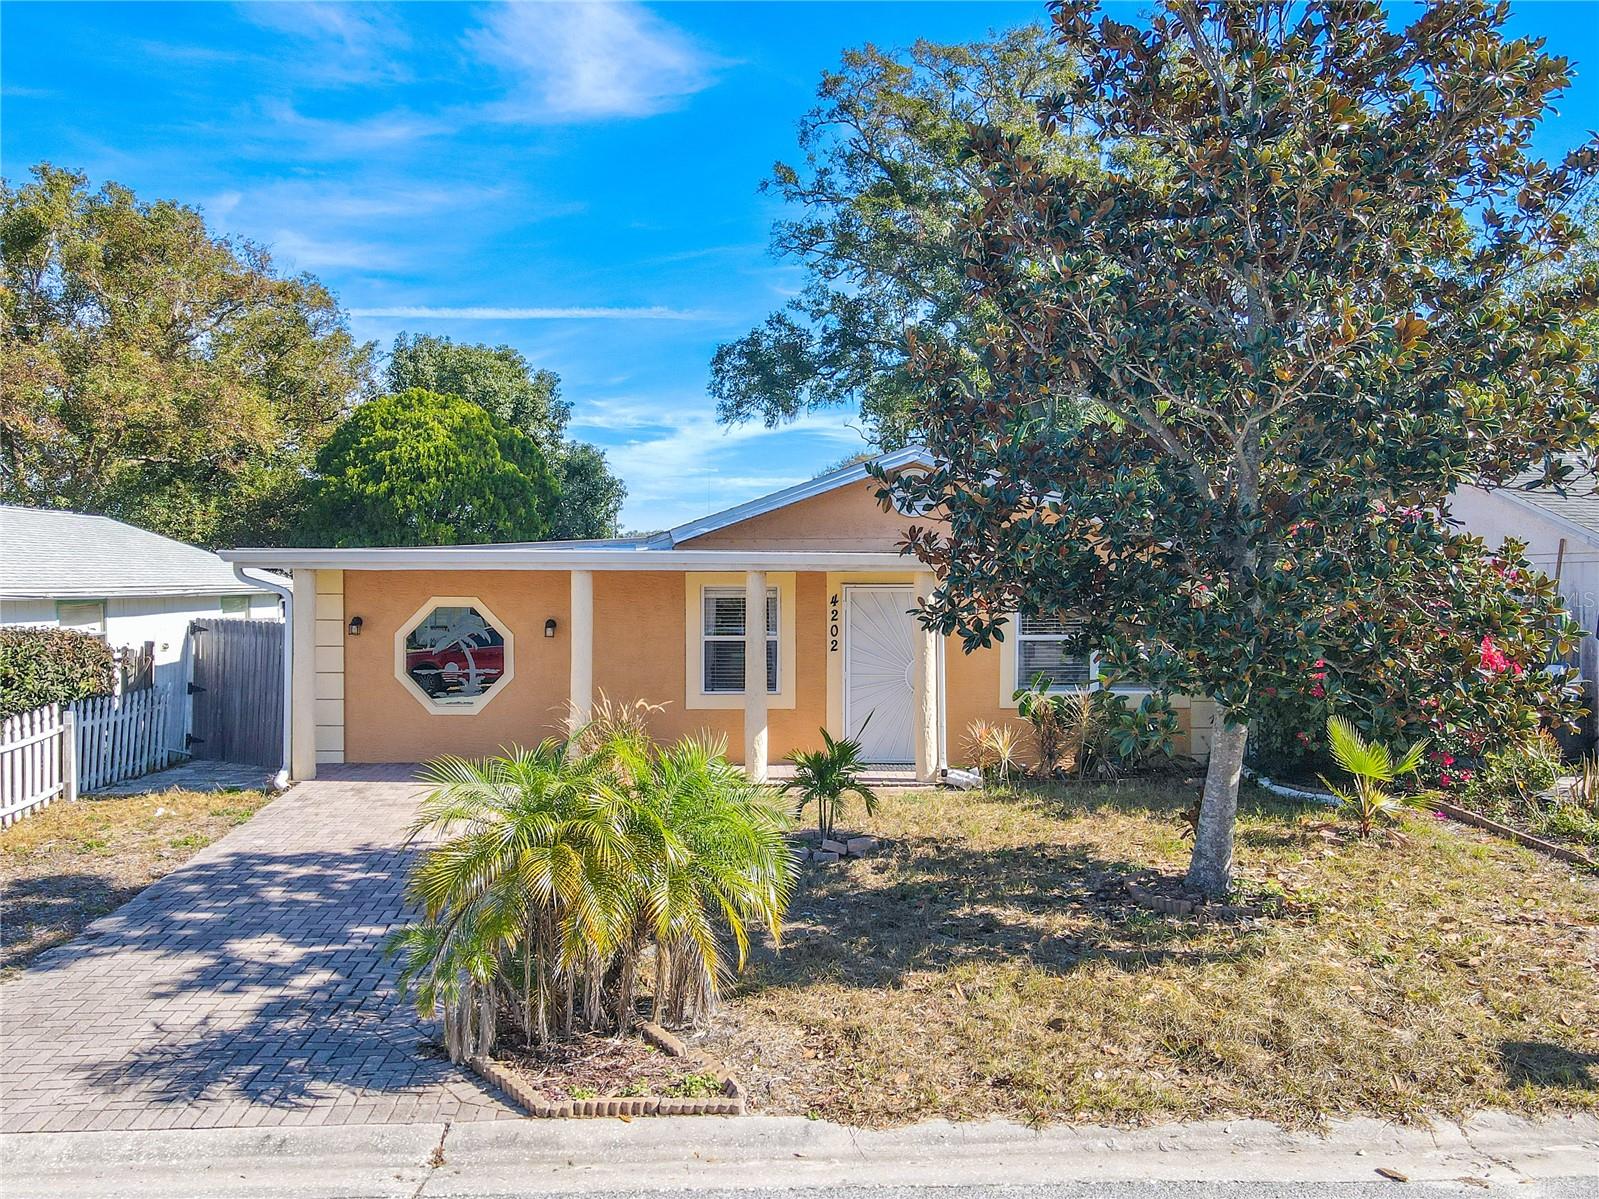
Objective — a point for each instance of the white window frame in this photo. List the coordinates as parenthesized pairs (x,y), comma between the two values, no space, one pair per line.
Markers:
(774,639)
(243,608)
(97,629)
(695,697)
(1092,681)
(1010,675)
(476,703)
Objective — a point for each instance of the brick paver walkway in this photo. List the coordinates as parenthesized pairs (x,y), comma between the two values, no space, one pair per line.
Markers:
(246,988)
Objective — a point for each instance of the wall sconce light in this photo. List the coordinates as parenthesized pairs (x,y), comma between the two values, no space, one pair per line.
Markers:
(355,626)
(549,627)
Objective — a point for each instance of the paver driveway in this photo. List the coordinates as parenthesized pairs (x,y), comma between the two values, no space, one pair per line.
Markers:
(246,988)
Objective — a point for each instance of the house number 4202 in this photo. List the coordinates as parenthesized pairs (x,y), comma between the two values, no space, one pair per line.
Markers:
(832,624)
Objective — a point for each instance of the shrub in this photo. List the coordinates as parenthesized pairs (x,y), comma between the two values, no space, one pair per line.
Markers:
(51,666)
(1519,785)
(993,748)
(560,866)
(1455,656)
(1513,783)
(1097,731)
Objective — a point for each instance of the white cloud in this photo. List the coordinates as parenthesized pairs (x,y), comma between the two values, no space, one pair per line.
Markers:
(452,313)
(588,61)
(346,43)
(302,251)
(682,463)
(330,224)
(360,138)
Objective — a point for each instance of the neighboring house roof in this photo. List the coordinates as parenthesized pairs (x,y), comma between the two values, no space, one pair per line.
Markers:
(1577,510)
(648,551)
(46,554)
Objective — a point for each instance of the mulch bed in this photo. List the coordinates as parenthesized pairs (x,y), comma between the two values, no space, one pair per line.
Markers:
(654,1074)
(592,1064)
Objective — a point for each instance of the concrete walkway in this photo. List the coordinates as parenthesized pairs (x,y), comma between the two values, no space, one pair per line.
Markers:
(775,1157)
(247,988)
(198,774)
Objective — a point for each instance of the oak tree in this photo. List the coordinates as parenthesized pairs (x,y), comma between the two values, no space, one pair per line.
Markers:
(501,381)
(154,371)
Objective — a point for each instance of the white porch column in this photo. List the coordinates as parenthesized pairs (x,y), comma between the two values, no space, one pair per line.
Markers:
(581,636)
(925,684)
(755,675)
(302,696)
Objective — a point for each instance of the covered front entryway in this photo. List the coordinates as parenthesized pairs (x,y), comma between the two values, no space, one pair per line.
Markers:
(880,672)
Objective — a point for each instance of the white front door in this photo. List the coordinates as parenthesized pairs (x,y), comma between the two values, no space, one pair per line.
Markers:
(880,672)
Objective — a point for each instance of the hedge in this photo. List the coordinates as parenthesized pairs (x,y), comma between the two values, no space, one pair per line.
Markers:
(51,666)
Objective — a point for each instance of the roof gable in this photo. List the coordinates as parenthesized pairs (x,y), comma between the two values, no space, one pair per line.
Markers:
(856,473)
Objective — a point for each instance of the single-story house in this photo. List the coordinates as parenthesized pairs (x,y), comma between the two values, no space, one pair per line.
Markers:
(124,584)
(761,624)
(127,585)
(1562,537)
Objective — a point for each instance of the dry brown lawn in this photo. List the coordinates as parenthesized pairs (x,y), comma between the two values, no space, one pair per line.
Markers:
(74,862)
(984,963)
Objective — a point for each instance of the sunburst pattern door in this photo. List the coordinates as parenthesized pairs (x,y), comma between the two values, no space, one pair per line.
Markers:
(879,672)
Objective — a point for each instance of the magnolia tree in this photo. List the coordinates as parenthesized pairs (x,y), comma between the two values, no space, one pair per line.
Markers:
(1281,346)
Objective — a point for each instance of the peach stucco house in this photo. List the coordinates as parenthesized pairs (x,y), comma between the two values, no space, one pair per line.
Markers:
(402,654)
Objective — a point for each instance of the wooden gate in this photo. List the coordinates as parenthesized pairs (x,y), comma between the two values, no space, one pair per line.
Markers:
(238,691)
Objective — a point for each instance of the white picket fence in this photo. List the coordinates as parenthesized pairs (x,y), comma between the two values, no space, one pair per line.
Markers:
(36,767)
(52,753)
(122,736)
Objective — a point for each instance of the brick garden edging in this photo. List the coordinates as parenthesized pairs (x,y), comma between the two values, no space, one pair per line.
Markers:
(1172,905)
(730,1103)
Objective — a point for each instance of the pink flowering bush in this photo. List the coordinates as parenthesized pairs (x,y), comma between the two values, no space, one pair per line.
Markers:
(1454,655)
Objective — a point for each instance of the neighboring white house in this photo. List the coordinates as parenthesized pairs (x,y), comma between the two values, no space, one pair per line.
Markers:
(1562,537)
(127,585)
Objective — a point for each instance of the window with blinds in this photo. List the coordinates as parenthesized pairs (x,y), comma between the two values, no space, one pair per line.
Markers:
(722,636)
(1041,650)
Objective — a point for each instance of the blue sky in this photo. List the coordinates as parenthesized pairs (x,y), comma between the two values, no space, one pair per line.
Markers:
(576,181)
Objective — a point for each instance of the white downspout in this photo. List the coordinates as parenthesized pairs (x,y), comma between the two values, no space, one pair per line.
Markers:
(943,708)
(285,592)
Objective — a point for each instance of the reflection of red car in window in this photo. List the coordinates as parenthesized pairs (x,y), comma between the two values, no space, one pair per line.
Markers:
(451,669)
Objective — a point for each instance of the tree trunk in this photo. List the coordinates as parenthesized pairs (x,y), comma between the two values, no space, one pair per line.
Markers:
(1210,871)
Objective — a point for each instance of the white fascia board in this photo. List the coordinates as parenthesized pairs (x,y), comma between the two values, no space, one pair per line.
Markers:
(843,477)
(1513,495)
(492,557)
(75,593)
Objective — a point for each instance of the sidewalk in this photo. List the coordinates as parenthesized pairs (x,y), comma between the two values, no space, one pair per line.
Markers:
(754,1154)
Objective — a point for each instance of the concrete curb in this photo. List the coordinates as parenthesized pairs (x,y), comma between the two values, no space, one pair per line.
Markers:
(525,1157)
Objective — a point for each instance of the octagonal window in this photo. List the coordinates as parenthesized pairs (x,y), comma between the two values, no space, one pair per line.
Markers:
(454,655)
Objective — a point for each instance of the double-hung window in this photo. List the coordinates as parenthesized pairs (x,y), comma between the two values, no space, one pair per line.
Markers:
(722,640)
(1041,649)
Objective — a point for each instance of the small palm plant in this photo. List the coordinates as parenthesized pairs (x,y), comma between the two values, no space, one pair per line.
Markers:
(558,867)
(826,776)
(1373,770)
(518,901)
(712,863)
